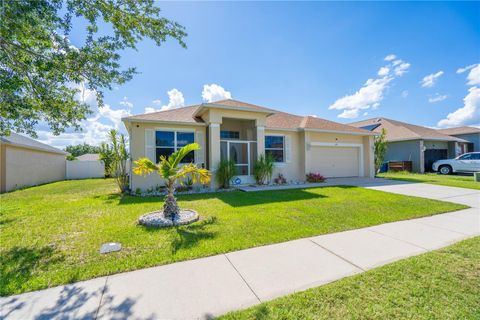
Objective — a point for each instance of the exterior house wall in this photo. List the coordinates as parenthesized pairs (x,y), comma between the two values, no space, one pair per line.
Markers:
(137,150)
(292,167)
(298,158)
(473,138)
(26,167)
(405,151)
(334,138)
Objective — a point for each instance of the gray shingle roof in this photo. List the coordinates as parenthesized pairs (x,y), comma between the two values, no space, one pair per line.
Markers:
(16,139)
(398,131)
(275,119)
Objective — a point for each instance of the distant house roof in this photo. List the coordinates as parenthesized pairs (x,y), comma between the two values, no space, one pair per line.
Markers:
(89,157)
(400,131)
(275,119)
(18,140)
(459,130)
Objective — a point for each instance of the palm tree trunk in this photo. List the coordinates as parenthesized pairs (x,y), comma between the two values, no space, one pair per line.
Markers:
(170,207)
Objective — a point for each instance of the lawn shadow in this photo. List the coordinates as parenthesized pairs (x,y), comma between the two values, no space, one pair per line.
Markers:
(18,263)
(232,198)
(243,199)
(189,236)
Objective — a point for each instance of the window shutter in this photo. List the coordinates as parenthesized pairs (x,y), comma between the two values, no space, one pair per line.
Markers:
(200,154)
(288,149)
(150,144)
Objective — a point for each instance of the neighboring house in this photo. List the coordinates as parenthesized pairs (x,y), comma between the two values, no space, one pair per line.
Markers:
(230,129)
(89,157)
(26,162)
(86,166)
(471,134)
(408,142)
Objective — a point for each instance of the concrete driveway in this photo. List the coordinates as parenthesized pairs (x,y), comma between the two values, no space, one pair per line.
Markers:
(204,288)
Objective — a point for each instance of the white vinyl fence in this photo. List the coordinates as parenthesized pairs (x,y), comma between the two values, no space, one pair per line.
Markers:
(85,169)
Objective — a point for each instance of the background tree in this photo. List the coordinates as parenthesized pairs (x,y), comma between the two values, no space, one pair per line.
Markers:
(81,149)
(107,156)
(41,72)
(380,146)
(119,157)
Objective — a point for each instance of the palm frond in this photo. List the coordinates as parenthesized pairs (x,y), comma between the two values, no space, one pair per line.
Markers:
(144,166)
(176,157)
(197,174)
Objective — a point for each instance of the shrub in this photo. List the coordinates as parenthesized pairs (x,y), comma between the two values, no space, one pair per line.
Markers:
(263,168)
(315,177)
(225,172)
(280,179)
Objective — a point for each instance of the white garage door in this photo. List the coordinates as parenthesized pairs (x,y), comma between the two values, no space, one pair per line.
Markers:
(335,161)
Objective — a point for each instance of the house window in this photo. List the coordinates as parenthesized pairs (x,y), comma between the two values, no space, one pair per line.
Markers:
(275,146)
(167,142)
(229,135)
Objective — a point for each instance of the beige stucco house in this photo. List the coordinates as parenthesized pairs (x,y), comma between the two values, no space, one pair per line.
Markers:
(26,162)
(242,131)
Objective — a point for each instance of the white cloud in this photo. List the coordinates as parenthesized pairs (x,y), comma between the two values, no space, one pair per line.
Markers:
(213,92)
(404,93)
(390,57)
(383,71)
(349,114)
(469,114)
(396,62)
(429,80)
(371,93)
(85,95)
(474,76)
(126,103)
(437,98)
(156,102)
(462,70)
(175,100)
(151,110)
(402,68)
(94,130)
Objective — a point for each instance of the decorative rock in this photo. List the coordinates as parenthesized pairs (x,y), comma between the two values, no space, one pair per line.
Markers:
(156,219)
(110,247)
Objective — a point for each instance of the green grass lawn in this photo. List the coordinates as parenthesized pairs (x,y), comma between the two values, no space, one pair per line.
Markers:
(51,234)
(434,178)
(442,284)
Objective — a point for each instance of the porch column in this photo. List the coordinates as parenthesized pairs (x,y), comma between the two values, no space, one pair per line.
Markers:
(213,149)
(422,157)
(260,140)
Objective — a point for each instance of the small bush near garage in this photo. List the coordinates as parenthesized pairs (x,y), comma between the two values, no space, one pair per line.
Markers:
(315,177)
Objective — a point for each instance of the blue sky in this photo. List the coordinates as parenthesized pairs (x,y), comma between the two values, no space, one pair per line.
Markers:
(308,59)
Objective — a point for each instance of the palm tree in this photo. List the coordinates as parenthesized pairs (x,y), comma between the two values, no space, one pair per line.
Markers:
(170,170)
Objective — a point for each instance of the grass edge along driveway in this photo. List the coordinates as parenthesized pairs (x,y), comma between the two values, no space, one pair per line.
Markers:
(460,181)
(441,284)
(51,234)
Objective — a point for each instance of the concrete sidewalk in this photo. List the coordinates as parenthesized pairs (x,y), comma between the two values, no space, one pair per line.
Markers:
(204,288)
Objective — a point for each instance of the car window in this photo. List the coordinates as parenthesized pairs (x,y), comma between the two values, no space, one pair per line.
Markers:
(476,156)
(465,157)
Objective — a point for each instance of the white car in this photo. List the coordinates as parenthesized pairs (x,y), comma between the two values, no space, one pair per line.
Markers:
(467,162)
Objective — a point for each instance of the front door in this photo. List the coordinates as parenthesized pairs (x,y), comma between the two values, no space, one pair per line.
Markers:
(238,151)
